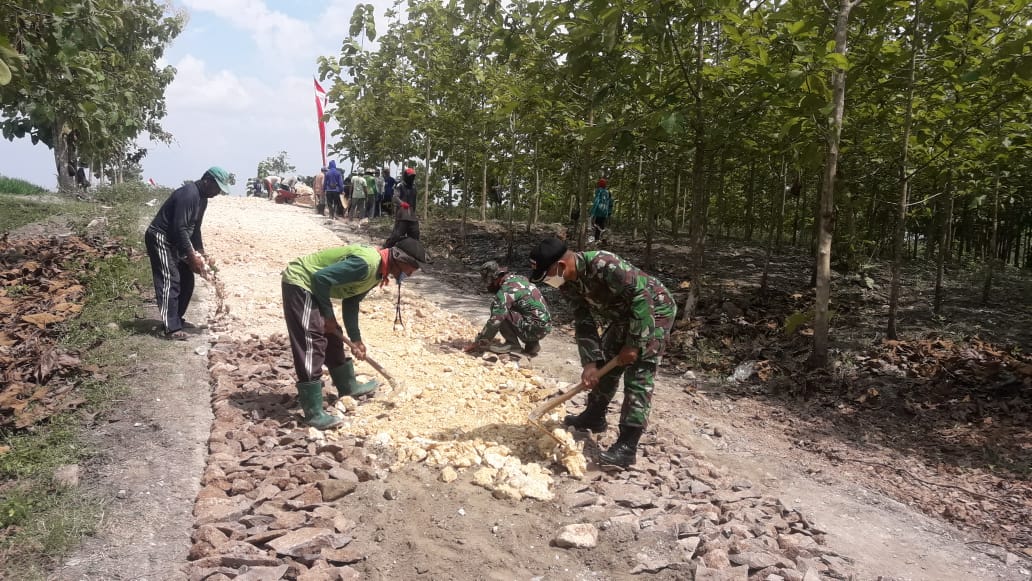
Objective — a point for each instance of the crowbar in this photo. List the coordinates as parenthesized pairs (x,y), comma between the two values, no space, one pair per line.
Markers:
(536,413)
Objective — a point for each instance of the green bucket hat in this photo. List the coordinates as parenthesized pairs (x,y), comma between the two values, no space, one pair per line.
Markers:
(221,178)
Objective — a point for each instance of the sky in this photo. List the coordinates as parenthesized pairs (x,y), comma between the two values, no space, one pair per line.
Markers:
(243,91)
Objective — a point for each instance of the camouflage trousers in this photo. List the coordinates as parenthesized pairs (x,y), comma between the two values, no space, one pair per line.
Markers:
(640,376)
(525,328)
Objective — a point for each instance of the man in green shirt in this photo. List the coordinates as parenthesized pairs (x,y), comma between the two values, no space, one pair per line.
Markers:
(309,283)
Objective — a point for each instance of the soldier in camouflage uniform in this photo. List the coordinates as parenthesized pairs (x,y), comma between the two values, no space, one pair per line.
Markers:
(638,313)
(518,311)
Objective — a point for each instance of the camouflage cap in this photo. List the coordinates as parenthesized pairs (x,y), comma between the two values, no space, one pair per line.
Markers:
(490,270)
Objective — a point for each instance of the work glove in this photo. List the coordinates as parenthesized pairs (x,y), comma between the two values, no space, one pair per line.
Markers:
(405,206)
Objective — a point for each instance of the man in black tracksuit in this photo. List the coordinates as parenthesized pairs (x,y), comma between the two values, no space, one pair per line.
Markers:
(405,221)
(176,248)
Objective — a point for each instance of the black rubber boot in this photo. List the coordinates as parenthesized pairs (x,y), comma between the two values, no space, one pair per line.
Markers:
(624,452)
(512,340)
(593,418)
(532,348)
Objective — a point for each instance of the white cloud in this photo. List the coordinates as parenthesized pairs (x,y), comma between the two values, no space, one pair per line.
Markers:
(232,115)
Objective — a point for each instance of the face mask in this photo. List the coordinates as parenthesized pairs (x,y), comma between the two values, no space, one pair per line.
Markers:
(401,277)
(554,281)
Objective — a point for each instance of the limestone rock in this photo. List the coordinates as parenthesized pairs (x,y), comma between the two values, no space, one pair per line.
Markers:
(578,536)
(336,489)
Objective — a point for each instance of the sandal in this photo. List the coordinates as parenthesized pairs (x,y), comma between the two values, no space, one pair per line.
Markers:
(179,335)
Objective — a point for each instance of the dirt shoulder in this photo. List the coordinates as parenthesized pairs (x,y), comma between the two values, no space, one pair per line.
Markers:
(151,451)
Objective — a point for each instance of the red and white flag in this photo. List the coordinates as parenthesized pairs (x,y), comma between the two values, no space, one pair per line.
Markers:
(151,180)
(320,104)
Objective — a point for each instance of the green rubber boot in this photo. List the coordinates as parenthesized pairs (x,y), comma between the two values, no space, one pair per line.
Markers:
(309,393)
(344,378)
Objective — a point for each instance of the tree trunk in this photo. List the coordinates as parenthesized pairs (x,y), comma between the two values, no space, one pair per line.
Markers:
(63,158)
(700,200)
(650,212)
(994,252)
(821,324)
(750,199)
(465,195)
(483,190)
(426,182)
(904,190)
(944,251)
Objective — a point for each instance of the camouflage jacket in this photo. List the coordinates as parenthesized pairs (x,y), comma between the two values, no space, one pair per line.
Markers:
(609,289)
(517,294)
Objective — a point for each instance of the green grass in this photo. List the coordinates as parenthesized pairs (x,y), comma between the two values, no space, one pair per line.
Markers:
(19,187)
(40,522)
(16,212)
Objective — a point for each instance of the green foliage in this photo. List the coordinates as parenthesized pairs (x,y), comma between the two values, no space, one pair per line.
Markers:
(85,78)
(16,211)
(275,165)
(18,187)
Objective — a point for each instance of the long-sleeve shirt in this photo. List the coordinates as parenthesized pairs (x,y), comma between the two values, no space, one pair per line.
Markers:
(407,194)
(609,289)
(334,181)
(344,272)
(180,219)
(317,184)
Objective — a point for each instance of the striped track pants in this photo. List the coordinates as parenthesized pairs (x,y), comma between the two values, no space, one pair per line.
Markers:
(173,279)
(309,344)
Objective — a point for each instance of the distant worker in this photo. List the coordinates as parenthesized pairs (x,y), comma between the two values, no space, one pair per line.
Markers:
(372,193)
(176,248)
(406,224)
(270,183)
(387,195)
(320,191)
(518,312)
(334,186)
(601,209)
(359,191)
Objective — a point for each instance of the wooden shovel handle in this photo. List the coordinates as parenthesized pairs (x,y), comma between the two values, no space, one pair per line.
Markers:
(548,404)
(372,363)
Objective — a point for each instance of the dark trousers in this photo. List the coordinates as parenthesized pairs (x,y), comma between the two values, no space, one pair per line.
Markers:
(310,346)
(599,226)
(173,280)
(334,204)
(402,229)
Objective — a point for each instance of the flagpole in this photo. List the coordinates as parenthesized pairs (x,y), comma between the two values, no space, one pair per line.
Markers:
(320,103)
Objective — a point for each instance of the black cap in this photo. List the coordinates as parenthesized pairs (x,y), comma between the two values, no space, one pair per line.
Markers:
(544,256)
(412,249)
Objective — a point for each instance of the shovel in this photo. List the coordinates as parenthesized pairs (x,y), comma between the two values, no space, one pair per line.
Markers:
(372,363)
(536,413)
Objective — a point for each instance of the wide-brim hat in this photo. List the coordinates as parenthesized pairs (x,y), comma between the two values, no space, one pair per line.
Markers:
(413,251)
(547,252)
